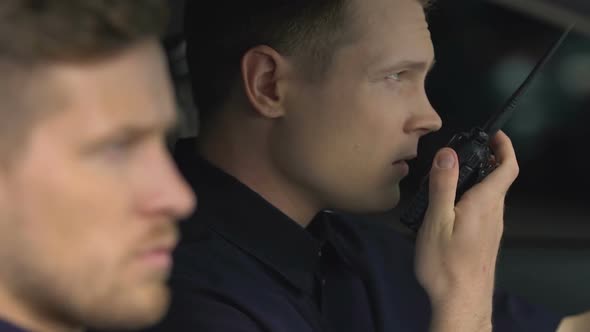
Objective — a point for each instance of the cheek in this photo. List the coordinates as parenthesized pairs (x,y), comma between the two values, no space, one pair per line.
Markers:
(364,128)
(315,131)
(383,114)
(67,215)
(341,136)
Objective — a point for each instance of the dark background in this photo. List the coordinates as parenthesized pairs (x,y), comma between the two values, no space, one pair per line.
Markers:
(484,50)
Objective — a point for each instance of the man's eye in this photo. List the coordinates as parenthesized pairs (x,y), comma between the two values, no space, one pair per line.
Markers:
(395,76)
(118,149)
(119,146)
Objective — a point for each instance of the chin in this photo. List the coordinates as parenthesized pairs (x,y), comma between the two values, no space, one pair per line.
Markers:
(385,201)
(136,309)
(151,308)
(385,205)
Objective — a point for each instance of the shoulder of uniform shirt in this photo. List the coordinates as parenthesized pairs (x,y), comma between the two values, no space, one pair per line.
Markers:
(213,262)
(213,268)
(208,254)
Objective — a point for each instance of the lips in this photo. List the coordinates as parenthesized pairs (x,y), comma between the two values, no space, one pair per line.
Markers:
(158,258)
(406,158)
(159,254)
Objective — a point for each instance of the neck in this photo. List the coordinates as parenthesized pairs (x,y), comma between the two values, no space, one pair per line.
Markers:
(18,312)
(245,154)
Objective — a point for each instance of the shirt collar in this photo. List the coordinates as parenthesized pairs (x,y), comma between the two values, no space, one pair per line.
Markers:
(248,221)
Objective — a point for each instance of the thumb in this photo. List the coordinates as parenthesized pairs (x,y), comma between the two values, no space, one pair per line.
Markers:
(443,185)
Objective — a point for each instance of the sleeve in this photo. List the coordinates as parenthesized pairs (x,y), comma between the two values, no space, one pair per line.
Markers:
(512,314)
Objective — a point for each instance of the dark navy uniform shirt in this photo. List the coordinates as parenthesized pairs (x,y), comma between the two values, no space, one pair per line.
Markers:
(244,266)
(8,327)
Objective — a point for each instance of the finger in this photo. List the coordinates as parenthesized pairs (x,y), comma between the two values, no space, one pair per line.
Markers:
(443,188)
(502,147)
(507,171)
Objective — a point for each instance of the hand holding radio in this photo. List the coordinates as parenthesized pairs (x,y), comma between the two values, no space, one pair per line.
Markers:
(476,160)
(458,214)
(454,263)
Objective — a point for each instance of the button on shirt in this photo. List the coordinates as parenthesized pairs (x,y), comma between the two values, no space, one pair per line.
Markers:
(244,266)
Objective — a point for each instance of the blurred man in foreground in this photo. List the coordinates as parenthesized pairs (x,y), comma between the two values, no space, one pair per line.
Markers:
(88,194)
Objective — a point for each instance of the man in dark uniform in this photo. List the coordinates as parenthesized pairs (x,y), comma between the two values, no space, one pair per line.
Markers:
(310,107)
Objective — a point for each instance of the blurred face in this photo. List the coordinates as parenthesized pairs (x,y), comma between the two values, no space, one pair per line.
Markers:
(345,137)
(87,212)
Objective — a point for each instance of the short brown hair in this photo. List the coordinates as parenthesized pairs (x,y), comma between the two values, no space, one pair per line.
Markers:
(219,33)
(35,33)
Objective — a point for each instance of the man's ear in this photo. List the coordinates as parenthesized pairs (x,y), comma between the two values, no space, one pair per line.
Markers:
(263,73)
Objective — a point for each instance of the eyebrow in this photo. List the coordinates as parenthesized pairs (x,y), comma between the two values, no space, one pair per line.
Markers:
(133,132)
(409,64)
(139,130)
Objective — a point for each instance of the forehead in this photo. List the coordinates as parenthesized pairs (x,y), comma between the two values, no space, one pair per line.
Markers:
(391,30)
(132,87)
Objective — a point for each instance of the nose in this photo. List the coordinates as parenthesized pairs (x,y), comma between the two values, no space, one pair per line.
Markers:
(168,193)
(181,199)
(424,117)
